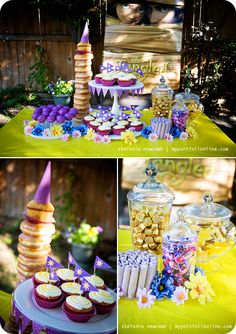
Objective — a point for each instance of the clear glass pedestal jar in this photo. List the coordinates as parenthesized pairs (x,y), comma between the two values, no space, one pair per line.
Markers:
(162,96)
(216,233)
(150,206)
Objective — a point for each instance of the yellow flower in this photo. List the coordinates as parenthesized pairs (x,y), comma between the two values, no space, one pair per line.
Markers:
(33,123)
(200,288)
(128,137)
(90,134)
(192,132)
(56,130)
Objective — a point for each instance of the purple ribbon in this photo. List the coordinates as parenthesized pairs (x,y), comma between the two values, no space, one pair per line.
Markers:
(37,328)
(25,322)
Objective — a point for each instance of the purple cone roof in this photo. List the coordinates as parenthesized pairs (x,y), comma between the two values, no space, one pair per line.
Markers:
(42,194)
(85,35)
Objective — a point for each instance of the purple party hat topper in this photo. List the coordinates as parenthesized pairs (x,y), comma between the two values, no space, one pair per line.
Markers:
(85,35)
(42,194)
(87,286)
(80,272)
(99,263)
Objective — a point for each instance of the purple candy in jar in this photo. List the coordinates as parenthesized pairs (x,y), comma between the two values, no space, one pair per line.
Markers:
(68,116)
(60,119)
(66,108)
(180,114)
(45,109)
(41,118)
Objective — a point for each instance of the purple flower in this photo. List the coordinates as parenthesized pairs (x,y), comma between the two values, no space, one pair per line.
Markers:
(100,229)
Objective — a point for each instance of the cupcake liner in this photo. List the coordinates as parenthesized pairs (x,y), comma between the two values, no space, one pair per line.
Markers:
(104,132)
(101,309)
(133,81)
(138,128)
(82,317)
(98,80)
(118,131)
(93,127)
(47,304)
(124,83)
(108,82)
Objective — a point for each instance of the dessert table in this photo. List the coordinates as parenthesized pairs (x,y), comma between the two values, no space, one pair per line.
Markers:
(211,142)
(218,316)
(5,305)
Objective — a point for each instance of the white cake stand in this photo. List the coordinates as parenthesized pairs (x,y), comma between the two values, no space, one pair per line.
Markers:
(116,91)
(56,319)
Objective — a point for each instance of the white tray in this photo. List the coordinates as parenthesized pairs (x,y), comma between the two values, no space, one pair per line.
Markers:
(56,319)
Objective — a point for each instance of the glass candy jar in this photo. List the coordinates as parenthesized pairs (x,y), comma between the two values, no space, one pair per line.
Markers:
(192,101)
(162,96)
(150,204)
(179,246)
(216,233)
(180,114)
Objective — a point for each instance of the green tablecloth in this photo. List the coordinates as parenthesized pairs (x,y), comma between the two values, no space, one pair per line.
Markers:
(5,305)
(165,316)
(211,142)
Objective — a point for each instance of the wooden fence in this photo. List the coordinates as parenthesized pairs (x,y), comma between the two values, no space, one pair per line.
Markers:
(94,187)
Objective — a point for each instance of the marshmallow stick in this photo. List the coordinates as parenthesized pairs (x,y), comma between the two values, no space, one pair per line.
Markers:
(120,275)
(133,282)
(142,277)
(152,269)
(125,281)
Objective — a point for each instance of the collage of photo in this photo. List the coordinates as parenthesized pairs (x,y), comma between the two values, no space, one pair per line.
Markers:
(117,167)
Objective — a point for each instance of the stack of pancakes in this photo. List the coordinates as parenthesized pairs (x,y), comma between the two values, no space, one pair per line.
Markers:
(37,230)
(83,73)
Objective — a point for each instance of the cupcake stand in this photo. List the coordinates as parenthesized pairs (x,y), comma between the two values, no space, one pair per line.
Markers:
(55,320)
(116,92)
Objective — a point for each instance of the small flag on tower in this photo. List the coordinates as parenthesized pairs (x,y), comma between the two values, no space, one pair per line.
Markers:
(51,263)
(87,286)
(99,263)
(80,272)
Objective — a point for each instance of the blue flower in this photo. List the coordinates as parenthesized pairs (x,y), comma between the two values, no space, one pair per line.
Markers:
(38,130)
(68,127)
(146,132)
(82,128)
(175,131)
(197,269)
(163,286)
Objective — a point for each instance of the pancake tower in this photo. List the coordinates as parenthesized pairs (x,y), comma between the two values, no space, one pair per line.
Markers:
(83,73)
(37,230)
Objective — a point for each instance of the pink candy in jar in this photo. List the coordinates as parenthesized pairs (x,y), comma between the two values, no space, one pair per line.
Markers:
(179,247)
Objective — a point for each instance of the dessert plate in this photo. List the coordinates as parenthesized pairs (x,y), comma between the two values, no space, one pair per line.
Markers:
(56,319)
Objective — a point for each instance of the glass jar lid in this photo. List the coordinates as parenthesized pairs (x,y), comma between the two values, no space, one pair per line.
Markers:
(151,190)
(163,88)
(180,230)
(187,96)
(208,210)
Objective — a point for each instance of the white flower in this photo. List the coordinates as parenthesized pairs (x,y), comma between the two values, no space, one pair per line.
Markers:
(145,299)
(169,137)
(46,132)
(180,295)
(106,139)
(153,137)
(65,137)
(76,134)
(97,138)
(183,136)
(27,130)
